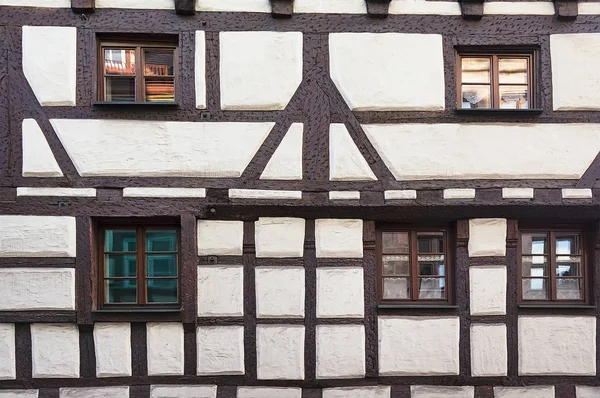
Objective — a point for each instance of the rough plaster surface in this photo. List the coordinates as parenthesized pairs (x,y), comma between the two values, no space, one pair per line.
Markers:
(38,159)
(264,194)
(280,352)
(587,392)
(171,391)
(424,151)
(50,63)
(146,4)
(221,290)
(264,392)
(330,6)
(234,5)
(424,7)
(517,193)
(489,353)
(19,394)
(518,8)
(71,192)
(220,237)
(487,290)
(340,351)
(164,192)
(286,162)
(388,71)
(127,148)
(524,392)
(37,3)
(459,193)
(8,364)
(54,350)
(279,237)
(95,392)
(420,346)
(37,289)
(583,193)
(589,8)
(344,195)
(165,349)
(220,350)
(37,236)
(357,392)
(557,345)
(346,163)
(441,392)
(339,238)
(340,292)
(400,194)
(200,69)
(112,342)
(487,237)
(259,70)
(280,292)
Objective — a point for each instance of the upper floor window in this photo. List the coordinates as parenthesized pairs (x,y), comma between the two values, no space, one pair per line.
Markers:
(553,265)
(495,81)
(413,266)
(137,72)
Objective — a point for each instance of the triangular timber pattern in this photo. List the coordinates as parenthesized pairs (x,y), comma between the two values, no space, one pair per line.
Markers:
(591,175)
(286,162)
(345,160)
(38,159)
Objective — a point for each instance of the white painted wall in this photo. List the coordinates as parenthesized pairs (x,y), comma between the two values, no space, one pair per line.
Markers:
(340,351)
(330,6)
(357,392)
(234,5)
(280,292)
(69,192)
(38,159)
(441,392)
(165,349)
(37,289)
(280,352)
(139,192)
(286,162)
(524,392)
(279,237)
(489,353)
(459,193)
(37,3)
(37,236)
(388,71)
(265,392)
(220,350)
(424,7)
(518,8)
(220,237)
(95,392)
(54,350)
(8,365)
(346,163)
(18,393)
(128,148)
(259,70)
(221,290)
(340,292)
(419,346)
(178,391)
(487,290)
(587,392)
(200,69)
(487,237)
(112,342)
(338,238)
(149,4)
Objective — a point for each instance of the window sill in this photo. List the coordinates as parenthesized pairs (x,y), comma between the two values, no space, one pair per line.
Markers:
(557,306)
(416,307)
(499,112)
(137,315)
(115,104)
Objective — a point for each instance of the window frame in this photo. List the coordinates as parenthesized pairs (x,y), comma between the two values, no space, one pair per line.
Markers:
(141,274)
(140,85)
(449,265)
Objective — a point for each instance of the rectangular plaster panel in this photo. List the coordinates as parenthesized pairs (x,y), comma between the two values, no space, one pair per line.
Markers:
(26,289)
(221,290)
(37,236)
(8,364)
(112,342)
(489,353)
(165,348)
(55,350)
(487,290)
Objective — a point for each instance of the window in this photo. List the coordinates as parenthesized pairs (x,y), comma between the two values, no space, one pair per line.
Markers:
(552,265)
(495,81)
(137,72)
(412,266)
(139,266)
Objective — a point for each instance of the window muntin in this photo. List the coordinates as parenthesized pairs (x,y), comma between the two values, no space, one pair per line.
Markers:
(139,266)
(413,266)
(495,81)
(552,266)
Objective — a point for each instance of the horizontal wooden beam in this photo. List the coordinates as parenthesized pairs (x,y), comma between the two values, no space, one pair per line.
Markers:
(83,6)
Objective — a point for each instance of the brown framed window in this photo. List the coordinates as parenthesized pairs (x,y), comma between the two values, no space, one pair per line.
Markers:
(495,81)
(413,266)
(137,72)
(138,266)
(553,266)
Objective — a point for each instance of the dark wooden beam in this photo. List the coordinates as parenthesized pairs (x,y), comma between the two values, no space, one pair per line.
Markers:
(471,9)
(83,6)
(378,8)
(185,7)
(282,8)
(566,10)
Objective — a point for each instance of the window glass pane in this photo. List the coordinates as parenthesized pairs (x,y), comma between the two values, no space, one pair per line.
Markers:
(430,242)
(431,265)
(476,97)
(534,243)
(162,290)
(396,288)
(512,70)
(568,266)
(158,62)
(534,266)
(535,289)
(161,265)
(161,241)
(121,291)
(568,289)
(160,89)
(120,240)
(119,62)
(432,288)
(395,242)
(513,97)
(475,70)
(568,244)
(120,265)
(396,265)
(120,89)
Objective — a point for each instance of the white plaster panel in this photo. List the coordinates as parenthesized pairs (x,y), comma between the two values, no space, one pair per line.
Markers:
(221,290)
(265,392)
(178,391)
(37,236)
(280,292)
(587,392)
(165,349)
(459,193)
(220,350)
(95,392)
(280,352)
(517,193)
(487,290)
(424,7)
(234,5)
(583,193)
(330,6)
(126,148)
(524,392)
(264,194)
(340,351)
(200,69)
(37,289)
(286,162)
(388,71)
(18,393)
(279,237)
(487,237)
(340,292)
(220,237)
(442,392)
(346,163)
(357,392)
(50,63)
(344,195)
(489,353)
(400,194)
(339,238)
(112,342)
(420,346)
(473,150)
(518,8)
(38,159)
(54,350)
(37,3)
(589,8)
(164,192)
(259,70)
(8,364)
(146,4)
(557,345)
(72,192)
